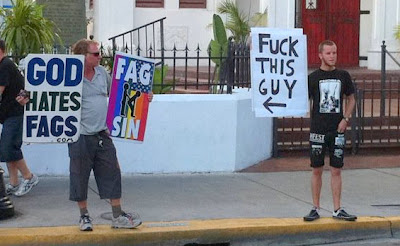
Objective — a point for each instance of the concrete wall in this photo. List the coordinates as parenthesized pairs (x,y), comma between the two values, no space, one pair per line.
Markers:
(185,133)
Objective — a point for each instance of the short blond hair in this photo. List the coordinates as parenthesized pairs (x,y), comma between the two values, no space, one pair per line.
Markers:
(81,47)
(323,43)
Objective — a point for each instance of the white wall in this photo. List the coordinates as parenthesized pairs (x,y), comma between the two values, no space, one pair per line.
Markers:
(190,25)
(185,133)
(366,21)
(386,15)
(249,8)
(111,19)
(181,26)
(280,13)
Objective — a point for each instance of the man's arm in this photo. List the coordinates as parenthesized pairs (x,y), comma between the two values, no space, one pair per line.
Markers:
(351,103)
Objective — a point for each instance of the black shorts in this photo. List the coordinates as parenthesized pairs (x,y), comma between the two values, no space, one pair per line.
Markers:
(11,139)
(87,154)
(334,142)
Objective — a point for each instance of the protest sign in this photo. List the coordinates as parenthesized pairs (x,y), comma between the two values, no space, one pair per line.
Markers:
(132,80)
(279,72)
(53,112)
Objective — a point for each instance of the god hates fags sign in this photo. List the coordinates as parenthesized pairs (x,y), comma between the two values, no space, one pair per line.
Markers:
(54,110)
(279,72)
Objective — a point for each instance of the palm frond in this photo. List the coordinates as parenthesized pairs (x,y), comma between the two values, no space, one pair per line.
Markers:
(237,22)
(259,19)
(25,29)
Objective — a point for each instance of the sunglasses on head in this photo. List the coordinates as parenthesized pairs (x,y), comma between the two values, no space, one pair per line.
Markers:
(94,53)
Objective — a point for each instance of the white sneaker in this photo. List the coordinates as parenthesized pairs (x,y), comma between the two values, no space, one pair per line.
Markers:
(85,223)
(127,221)
(11,189)
(27,185)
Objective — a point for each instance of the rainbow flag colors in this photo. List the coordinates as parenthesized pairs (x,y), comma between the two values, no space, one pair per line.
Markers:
(132,80)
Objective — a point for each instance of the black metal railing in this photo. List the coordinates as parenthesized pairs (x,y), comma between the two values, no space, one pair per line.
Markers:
(384,54)
(141,39)
(375,121)
(187,70)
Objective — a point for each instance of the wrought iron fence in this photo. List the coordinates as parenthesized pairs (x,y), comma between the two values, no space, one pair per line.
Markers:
(375,122)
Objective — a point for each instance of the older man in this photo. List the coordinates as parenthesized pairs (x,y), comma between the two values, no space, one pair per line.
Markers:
(95,150)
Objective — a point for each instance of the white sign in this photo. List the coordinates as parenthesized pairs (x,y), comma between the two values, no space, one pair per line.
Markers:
(279,72)
(53,112)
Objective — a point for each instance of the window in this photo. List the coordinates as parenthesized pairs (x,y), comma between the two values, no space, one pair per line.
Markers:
(150,3)
(193,4)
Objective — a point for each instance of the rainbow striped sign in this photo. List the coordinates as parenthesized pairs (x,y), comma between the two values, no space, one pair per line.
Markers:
(132,80)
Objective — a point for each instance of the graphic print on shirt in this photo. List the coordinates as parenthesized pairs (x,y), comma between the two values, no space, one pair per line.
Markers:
(329,96)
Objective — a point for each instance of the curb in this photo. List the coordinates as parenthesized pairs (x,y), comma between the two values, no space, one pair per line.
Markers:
(282,231)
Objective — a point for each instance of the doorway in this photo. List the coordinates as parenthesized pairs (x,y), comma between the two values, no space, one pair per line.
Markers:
(337,20)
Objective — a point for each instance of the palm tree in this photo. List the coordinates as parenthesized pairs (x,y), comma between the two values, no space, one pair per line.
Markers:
(25,30)
(237,22)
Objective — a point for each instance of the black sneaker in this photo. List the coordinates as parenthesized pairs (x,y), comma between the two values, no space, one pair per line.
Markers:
(313,215)
(342,215)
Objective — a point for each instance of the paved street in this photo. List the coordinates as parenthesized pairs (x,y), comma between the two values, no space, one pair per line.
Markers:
(174,200)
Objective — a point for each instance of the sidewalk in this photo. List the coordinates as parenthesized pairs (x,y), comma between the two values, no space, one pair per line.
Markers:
(242,208)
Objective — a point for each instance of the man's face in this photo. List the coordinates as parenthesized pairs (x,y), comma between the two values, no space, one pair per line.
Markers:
(328,55)
(93,57)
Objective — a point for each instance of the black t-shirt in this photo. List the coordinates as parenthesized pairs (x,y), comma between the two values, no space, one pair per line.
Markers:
(12,79)
(326,89)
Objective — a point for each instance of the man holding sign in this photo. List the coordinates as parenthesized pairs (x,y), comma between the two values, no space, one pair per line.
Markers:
(11,117)
(327,87)
(94,148)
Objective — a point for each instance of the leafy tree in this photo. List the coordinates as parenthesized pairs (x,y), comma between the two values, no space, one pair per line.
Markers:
(25,30)
(218,49)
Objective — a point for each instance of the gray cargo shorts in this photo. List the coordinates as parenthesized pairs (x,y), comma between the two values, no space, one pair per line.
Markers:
(97,153)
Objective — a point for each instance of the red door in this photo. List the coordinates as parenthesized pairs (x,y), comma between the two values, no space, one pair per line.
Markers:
(337,20)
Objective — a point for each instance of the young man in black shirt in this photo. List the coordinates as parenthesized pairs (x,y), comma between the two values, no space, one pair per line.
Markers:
(11,117)
(327,88)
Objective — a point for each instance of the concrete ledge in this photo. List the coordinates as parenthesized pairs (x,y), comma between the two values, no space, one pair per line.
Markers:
(290,231)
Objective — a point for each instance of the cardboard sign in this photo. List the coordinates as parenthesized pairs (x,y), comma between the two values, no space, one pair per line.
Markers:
(53,112)
(279,72)
(132,80)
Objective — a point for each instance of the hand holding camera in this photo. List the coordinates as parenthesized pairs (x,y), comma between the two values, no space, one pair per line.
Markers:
(23,97)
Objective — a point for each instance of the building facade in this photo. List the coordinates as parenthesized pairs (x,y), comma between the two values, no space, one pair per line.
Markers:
(358,26)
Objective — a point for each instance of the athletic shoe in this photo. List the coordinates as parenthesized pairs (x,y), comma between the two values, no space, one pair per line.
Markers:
(85,223)
(313,215)
(11,189)
(127,221)
(27,185)
(342,215)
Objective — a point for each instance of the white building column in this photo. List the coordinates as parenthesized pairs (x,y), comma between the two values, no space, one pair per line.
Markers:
(385,14)
(281,13)
(112,19)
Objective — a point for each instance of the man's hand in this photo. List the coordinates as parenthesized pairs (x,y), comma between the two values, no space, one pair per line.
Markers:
(342,126)
(150,96)
(22,97)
